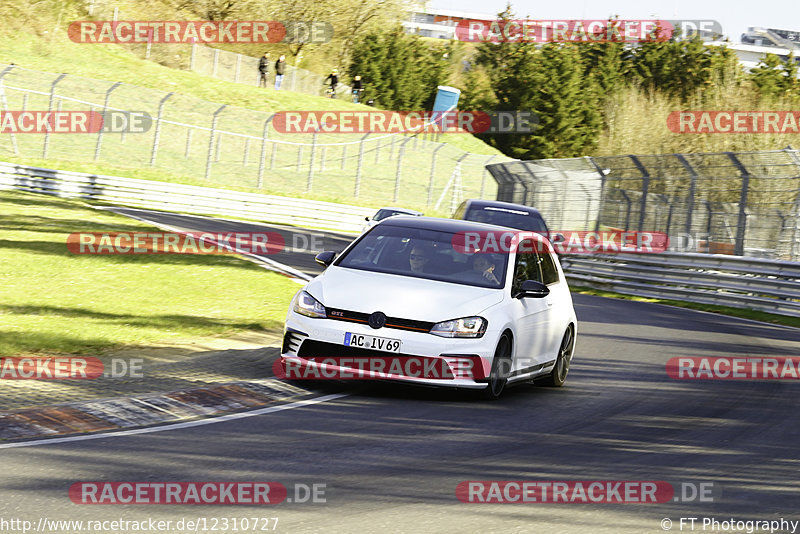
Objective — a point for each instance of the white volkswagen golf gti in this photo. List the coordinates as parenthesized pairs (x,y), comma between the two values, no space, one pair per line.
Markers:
(437,302)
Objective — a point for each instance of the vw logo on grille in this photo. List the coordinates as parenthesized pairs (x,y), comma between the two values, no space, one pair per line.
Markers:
(377,320)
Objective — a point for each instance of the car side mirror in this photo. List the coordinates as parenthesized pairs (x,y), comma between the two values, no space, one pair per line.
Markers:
(325,258)
(557,238)
(366,219)
(532,289)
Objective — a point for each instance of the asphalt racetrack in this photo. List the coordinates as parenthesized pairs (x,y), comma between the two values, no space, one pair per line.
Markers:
(389,458)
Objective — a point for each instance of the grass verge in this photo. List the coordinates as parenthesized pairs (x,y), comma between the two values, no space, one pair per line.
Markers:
(754,315)
(54,302)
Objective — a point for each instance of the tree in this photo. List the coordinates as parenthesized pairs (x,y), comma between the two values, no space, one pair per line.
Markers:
(775,77)
(399,71)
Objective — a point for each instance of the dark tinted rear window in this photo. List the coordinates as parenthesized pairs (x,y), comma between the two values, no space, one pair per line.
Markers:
(507,217)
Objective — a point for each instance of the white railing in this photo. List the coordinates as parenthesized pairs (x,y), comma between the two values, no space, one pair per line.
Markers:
(184,198)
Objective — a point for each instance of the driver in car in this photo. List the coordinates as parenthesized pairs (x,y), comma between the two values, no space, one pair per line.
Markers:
(418,259)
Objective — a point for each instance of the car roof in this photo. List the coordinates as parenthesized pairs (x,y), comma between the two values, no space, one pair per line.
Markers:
(477,203)
(403,210)
(446,225)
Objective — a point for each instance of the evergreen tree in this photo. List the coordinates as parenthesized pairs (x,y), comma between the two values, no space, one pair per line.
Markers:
(567,106)
(400,71)
(775,77)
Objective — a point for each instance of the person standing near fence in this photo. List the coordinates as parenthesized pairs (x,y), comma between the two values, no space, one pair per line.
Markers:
(333,78)
(280,69)
(358,88)
(263,68)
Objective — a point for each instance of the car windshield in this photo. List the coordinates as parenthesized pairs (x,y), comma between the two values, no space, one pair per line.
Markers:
(510,218)
(421,253)
(384,214)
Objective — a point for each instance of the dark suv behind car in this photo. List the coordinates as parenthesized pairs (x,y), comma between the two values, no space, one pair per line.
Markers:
(503,214)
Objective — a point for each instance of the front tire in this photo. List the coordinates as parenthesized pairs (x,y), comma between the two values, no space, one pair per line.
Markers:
(559,374)
(501,369)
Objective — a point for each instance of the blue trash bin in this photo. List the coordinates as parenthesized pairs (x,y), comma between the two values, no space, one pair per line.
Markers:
(446,101)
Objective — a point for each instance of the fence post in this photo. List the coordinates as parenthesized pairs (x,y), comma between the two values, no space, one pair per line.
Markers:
(211,140)
(645,188)
(377,148)
(587,194)
(601,202)
(5,105)
(344,157)
(433,172)
(360,163)
(708,225)
(483,175)
(299,156)
(105,112)
(192,63)
(263,157)
(157,135)
(216,62)
(149,43)
(50,110)
(741,223)
(627,209)
(309,182)
(188,143)
(796,222)
(530,195)
(400,154)
(692,189)
(238,68)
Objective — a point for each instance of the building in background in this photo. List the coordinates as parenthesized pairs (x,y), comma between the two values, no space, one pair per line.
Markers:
(757,42)
(439,23)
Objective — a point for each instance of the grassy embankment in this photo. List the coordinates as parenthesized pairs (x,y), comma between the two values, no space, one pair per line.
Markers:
(52,301)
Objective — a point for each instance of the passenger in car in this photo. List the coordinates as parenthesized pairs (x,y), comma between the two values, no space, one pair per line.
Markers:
(483,265)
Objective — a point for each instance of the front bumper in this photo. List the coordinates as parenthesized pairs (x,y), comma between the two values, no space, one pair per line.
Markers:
(314,348)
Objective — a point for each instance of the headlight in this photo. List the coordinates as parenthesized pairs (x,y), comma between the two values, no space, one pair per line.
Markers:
(464,327)
(305,304)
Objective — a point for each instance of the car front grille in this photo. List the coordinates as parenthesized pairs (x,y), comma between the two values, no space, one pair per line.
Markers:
(391,322)
(319,351)
(322,349)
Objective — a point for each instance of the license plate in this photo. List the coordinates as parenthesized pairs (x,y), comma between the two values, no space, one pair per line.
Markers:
(372,342)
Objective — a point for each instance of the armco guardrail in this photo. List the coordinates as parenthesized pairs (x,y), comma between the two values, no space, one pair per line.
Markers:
(184,198)
(759,284)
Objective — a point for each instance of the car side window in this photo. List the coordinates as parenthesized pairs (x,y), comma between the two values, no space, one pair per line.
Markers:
(526,266)
(549,270)
(459,214)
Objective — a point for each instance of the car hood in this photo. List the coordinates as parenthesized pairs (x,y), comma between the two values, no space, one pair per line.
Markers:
(398,296)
